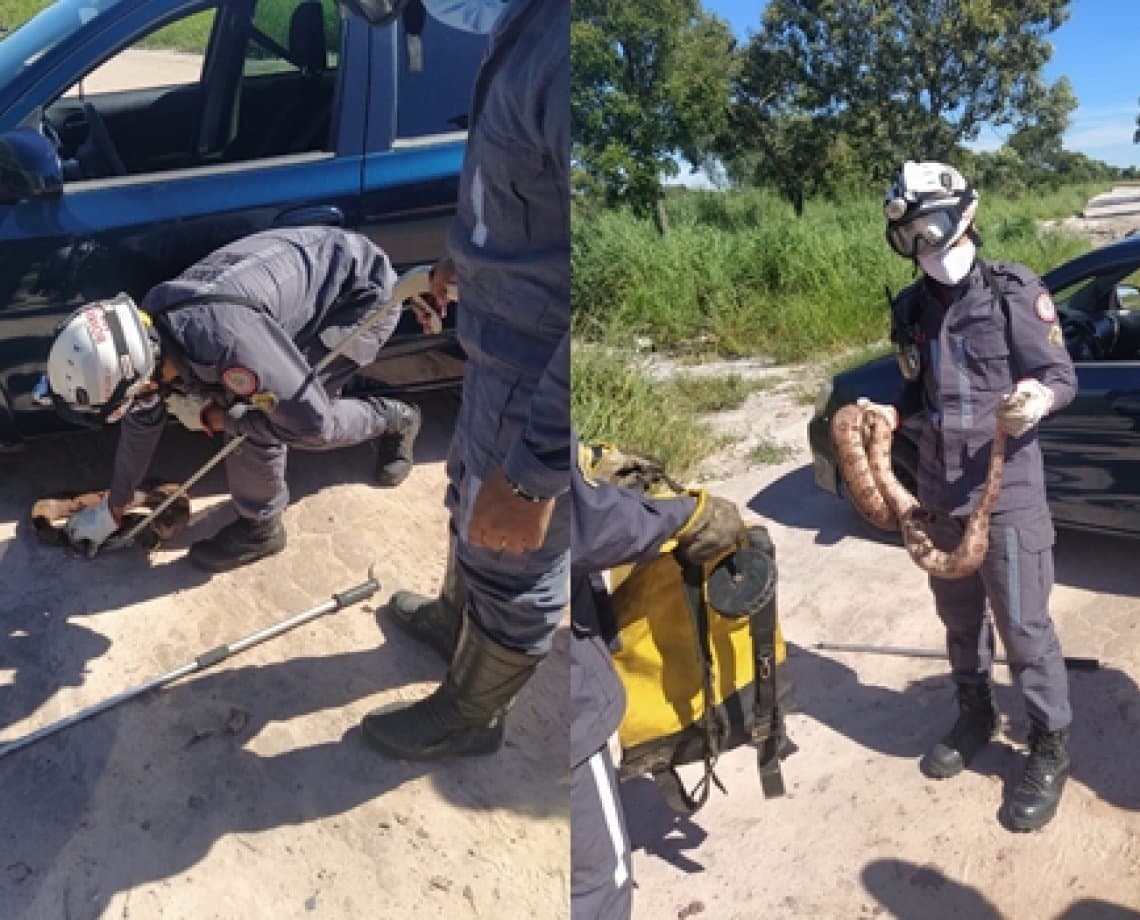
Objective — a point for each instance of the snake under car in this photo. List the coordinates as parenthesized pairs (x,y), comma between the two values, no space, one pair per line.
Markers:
(1091,448)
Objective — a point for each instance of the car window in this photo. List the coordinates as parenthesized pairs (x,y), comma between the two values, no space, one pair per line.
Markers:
(171,56)
(1100,316)
(288,81)
(1128,293)
(435,80)
(207,89)
(284,40)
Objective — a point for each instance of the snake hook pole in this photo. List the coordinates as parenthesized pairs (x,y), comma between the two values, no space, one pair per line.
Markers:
(207,659)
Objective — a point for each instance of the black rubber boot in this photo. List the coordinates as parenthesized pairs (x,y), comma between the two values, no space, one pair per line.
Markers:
(394,462)
(976,725)
(244,541)
(1035,800)
(434,620)
(464,716)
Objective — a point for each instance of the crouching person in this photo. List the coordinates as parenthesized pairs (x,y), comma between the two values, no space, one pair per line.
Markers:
(228,348)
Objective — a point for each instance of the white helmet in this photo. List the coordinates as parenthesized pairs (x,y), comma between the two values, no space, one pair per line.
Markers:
(928,206)
(101,357)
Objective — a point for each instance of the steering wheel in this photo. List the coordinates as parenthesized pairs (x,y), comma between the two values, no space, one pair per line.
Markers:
(100,138)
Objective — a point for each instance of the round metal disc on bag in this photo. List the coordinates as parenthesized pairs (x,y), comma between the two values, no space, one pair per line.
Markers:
(741,583)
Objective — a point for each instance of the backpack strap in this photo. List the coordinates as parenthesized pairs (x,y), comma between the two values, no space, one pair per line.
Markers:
(667,778)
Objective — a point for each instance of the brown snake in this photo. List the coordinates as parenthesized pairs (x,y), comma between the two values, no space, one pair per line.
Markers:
(863,445)
(50,515)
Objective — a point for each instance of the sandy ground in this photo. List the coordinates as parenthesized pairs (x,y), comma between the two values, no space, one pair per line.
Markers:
(861,832)
(246,791)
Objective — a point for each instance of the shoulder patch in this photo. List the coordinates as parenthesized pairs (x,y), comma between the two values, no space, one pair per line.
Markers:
(1044,308)
(240,381)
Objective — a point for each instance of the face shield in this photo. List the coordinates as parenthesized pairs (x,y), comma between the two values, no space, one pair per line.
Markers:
(925,232)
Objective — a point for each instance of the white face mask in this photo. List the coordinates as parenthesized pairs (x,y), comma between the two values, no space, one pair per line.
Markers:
(950,265)
(468,15)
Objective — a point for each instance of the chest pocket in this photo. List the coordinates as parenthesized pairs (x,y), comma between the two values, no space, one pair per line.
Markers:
(508,192)
(987,360)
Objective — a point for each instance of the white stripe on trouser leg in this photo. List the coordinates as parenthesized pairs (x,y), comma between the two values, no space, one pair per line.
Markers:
(479,231)
(1013,572)
(609,811)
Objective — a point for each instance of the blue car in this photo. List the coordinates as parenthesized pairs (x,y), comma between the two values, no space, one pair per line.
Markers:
(235,116)
(1092,447)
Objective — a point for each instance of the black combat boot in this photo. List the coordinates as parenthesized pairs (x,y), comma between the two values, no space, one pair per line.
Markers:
(465,715)
(976,725)
(394,462)
(244,541)
(434,620)
(1035,800)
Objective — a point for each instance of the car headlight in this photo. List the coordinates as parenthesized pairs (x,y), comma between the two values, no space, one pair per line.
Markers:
(823,396)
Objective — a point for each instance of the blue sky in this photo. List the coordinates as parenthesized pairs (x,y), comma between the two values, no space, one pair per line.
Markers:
(1098,49)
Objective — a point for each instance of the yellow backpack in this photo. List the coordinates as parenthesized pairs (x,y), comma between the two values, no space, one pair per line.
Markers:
(699,652)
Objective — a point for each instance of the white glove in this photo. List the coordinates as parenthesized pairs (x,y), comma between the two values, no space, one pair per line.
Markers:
(890,413)
(1020,410)
(92,526)
(187,408)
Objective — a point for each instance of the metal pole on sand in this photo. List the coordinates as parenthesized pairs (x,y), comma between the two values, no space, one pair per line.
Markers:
(208,659)
(1073,664)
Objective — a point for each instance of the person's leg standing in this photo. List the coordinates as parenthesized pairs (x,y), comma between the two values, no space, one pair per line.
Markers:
(961,605)
(1018,575)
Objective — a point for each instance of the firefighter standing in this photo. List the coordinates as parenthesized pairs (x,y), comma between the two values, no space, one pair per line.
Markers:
(506,585)
(969,334)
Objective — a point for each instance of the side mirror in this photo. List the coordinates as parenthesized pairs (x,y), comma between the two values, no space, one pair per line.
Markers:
(29,167)
(1127,296)
(376,12)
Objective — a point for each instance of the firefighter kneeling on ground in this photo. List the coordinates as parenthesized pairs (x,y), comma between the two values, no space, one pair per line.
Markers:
(228,348)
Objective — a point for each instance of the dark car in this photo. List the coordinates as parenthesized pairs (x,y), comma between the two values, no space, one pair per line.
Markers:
(269,113)
(1091,448)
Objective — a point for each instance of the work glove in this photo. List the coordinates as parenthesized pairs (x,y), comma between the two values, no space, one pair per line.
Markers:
(714,528)
(188,409)
(1020,410)
(890,413)
(90,528)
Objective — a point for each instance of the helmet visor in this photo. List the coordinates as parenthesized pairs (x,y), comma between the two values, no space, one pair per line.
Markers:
(923,232)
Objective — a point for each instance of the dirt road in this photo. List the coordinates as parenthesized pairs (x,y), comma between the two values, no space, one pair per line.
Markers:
(247,790)
(861,832)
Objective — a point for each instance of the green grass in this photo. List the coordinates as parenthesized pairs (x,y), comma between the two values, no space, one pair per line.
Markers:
(15,13)
(191,34)
(613,400)
(740,274)
(702,393)
(770,453)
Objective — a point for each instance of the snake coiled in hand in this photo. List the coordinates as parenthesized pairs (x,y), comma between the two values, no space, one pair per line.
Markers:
(863,446)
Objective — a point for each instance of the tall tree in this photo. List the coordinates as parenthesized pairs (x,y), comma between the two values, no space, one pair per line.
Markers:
(652,80)
(888,80)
